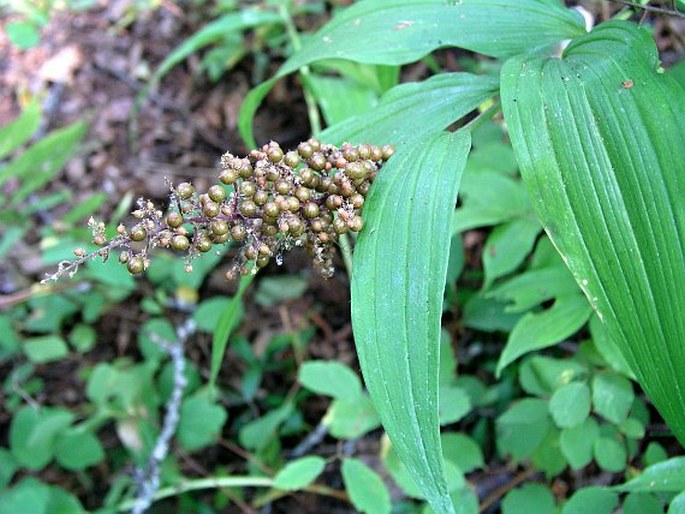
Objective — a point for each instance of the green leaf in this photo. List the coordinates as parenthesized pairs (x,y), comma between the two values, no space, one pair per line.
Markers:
(274,290)
(642,503)
(577,443)
(605,174)
(211,33)
(414,110)
(522,428)
(258,433)
(37,165)
(34,433)
(340,97)
(570,405)
(23,34)
(610,454)
(406,30)
(16,133)
(591,499)
(529,498)
(677,505)
(403,31)
(507,246)
(366,489)
(667,476)
(612,396)
(201,420)
(77,449)
(330,379)
(209,312)
(541,376)
(8,467)
(400,265)
(537,330)
(454,404)
(462,451)
(349,419)
(227,323)
(45,349)
(299,473)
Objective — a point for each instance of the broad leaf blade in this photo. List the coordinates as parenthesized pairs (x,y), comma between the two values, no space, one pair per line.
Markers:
(411,111)
(598,135)
(400,264)
(402,31)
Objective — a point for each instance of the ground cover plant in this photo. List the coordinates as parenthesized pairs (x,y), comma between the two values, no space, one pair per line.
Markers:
(554,288)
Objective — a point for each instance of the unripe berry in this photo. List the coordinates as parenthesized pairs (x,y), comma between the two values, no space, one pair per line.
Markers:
(219,227)
(283,186)
(387,151)
(135,265)
(217,193)
(174,220)
(248,188)
(303,194)
(310,210)
(185,190)
(138,233)
(228,177)
(355,224)
(339,226)
(211,209)
(305,150)
(291,159)
(204,244)
(248,208)
(274,154)
(271,209)
(238,233)
(260,197)
(180,243)
(317,162)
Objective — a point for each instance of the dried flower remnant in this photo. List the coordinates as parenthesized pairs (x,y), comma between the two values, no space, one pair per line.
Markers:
(265,203)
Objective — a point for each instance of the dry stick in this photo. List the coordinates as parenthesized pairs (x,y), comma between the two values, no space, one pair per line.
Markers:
(494,496)
(148,475)
(651,8)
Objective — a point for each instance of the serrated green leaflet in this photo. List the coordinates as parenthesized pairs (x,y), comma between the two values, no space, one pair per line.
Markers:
(400,264)
(403,31)
(598,135)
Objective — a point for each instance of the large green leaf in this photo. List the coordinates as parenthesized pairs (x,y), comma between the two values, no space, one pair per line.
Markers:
(411,111)
(400,264)
(402,31)
(599,138)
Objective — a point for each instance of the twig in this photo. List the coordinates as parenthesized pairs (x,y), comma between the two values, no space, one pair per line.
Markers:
(148,476)
(313,439)
(651,8)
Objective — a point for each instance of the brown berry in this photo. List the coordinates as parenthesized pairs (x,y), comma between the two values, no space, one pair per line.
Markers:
(138,233)
(174,220)
(135,265)
(238,233)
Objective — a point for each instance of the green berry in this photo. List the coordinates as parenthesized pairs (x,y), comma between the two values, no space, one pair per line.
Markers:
(135,265)
(355,224)
(305,150)
(291,159)
(180,243)
(185,190)
(248,208)
(387,151)
(310,210)
(271,209)
(228,177)
(274,154)
(211,209)
(317,162)
(174,220)
(219,227)
(204,244)
(138,233)
(217,193)
(238,233)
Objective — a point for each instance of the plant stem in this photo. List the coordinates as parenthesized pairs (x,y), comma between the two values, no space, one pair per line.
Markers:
(305,72)
(346,250)
(482,117)
(203,483)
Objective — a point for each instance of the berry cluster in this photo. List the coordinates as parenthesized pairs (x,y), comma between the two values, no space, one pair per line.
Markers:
(266,203)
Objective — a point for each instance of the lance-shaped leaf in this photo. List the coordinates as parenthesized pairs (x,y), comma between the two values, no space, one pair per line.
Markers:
(599,138)
(403,31)
(400,265)
(412,111)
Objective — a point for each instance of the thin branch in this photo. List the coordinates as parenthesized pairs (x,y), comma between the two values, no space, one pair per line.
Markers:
(148,475)
(651,8)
